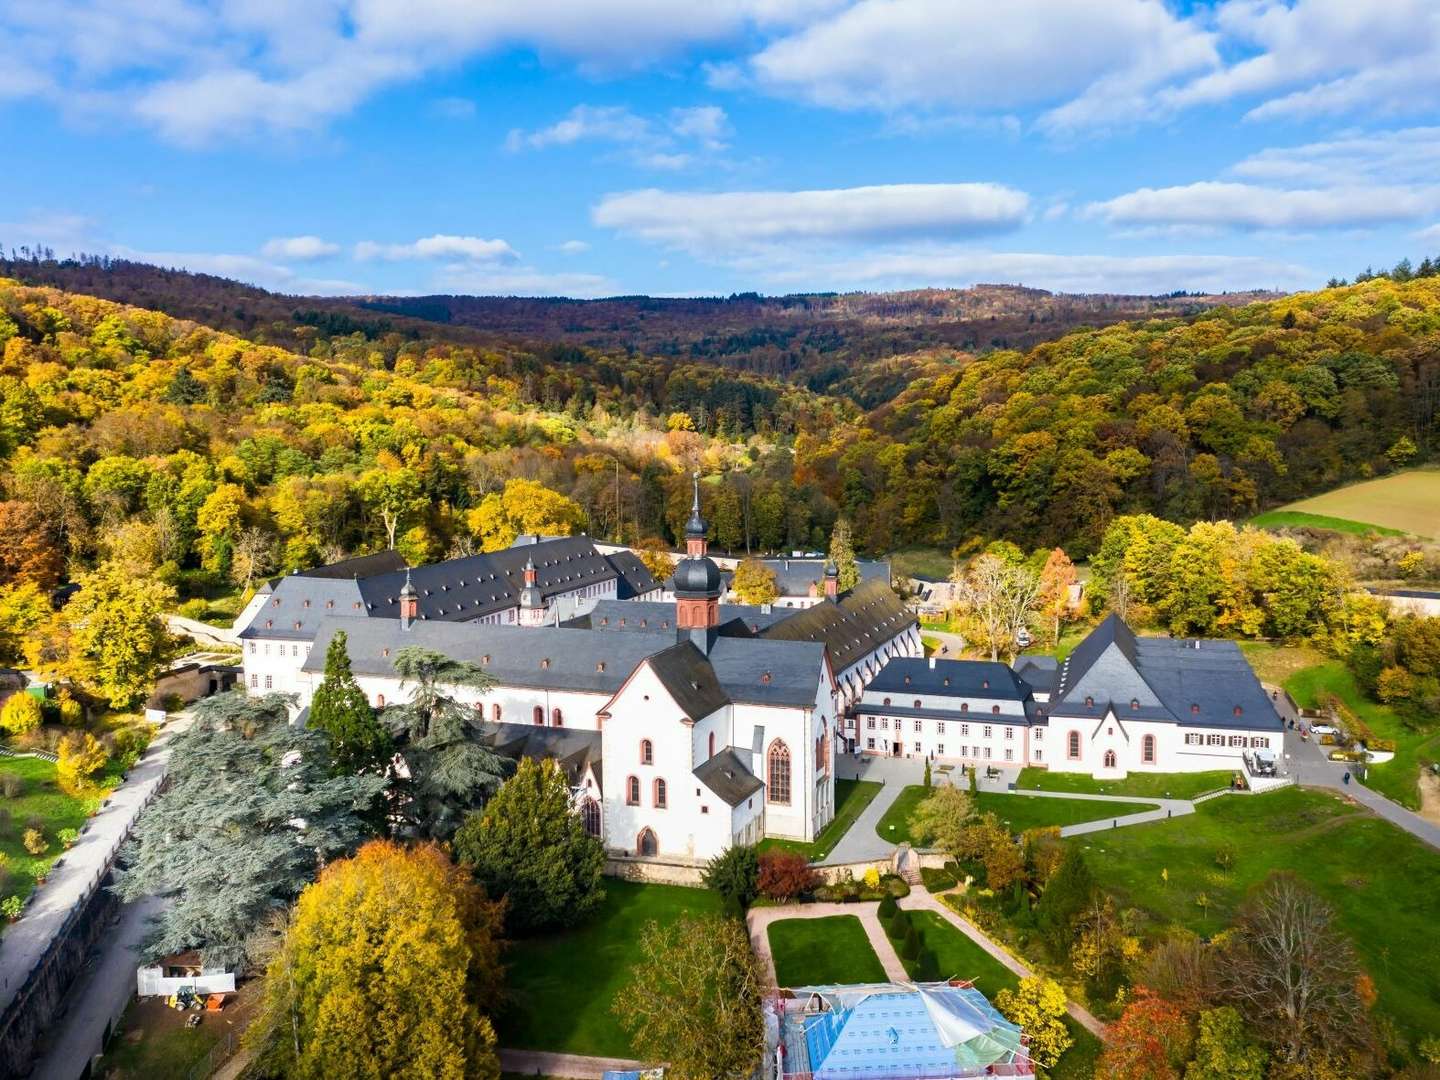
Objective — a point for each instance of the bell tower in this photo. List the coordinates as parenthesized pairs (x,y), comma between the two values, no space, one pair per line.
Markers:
(697,581)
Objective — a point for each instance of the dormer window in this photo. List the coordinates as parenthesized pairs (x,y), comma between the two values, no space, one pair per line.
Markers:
(1089,702)
(600,665)
(269,623)
(1194,710)
(1238,710)
(1134,704)
(545,662)
(305,603)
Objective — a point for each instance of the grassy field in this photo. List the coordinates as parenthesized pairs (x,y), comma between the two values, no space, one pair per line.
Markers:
(1298,519)
(851,798)
(1381,881)
(960,958)
(40,799)
(1404,502)
(562,984)
(1019,812)
(819,952)
(931,563)
(1142,785)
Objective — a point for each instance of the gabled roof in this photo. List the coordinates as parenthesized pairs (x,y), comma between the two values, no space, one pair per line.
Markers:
(727,775)
(856,624)
(297,605)
(572,748)
(950,678)
(635,578)
(688,677)
(360,566)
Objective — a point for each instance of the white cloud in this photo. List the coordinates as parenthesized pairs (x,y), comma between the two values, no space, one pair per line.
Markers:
(1407,155)
(734,220)
(1430,234)
(708,124)
(669,145)
(1212,204)
(572,247)
(439,246)
(606,123)
(523,281)
(299,248)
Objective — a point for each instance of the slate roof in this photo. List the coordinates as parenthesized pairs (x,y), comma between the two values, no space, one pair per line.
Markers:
(651,616)
(585,661)
(361,566)
(950,678)
(727,775)
(794,577)
(296,605)
(572,748)
(856,624)
(1039,671)
(635,579)
(690,680)
(1201,683)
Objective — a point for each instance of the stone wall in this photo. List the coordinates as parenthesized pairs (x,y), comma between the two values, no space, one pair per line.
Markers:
(657,871)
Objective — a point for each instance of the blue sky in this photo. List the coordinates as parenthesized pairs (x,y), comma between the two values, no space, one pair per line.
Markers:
(595,147)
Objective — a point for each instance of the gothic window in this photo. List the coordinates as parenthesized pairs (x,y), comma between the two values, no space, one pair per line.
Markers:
(590,815)
(1109,759)
(777,788)
(647,752)
(1147,749)
(647,844)
(1073,745)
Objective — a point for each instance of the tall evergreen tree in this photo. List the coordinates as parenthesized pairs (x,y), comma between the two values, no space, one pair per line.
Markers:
(1065,898)
(449,772)
(358,742)
(842,554)
(529,846)
(251,814)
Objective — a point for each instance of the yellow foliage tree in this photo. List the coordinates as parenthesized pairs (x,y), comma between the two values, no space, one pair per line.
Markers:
(755,582)
(387,963)
(20,714)
(1038,1006)
(110,638)
(81,756)
(523,507)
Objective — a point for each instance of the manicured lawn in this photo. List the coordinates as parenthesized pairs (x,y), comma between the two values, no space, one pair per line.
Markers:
(1398,779)
(1381,881)
(851,798)
(562,984)
(961,958)
(1019,812)
(1274,664)
(1142,785)
(820,952)
(38,798)
(1298,519)
(1401,502)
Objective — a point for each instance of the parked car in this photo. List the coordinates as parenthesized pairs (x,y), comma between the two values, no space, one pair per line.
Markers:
(1023,639)
(1324,729)
(1261,762)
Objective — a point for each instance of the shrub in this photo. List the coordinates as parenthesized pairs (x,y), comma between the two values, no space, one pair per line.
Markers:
(733,874)
(927,966)
(1225,857)
(886,910)
(936,880)
(872,878)
(910,947)
(69,709)
(11,907)
(11,785)
(67,837)
(81,757)
(786,875)
(895,885)
(899,925)
(927,772)
(21,713)
(35,842)
(194,608)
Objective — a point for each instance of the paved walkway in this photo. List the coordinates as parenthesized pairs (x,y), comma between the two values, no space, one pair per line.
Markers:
(759,919)
(920,899)
(861,843)
(576,1066)
(76,872)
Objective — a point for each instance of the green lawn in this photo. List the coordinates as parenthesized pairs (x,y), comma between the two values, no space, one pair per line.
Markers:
(1402,502)
(1299,519)
(961,958)
(1398,779)
(933,563)
(821,952)
(562,984)
(1382,882)
(1141,785)
(1019,812)
(38,798)
(851,798)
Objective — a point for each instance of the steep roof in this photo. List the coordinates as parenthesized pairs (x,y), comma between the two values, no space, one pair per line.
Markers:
(296,605)
(727,775)
(856,624)
(806,577)
(635,578)
(572,748)
(950,678)
(360,566)
(690,679)
(1194,682)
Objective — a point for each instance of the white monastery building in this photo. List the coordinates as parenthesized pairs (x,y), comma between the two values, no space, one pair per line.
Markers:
(684,727)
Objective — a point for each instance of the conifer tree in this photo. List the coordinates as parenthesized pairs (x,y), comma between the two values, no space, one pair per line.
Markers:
(842,554)
(358,742)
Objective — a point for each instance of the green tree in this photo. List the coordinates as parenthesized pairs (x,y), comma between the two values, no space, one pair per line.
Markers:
(1038,1005)
(940,819)
(842,554)
(393,495)
(530,847)
(1223,1051)
(116,639)
(218,523)
(386,965)
(251,811)
(694,1000)
(754,582)
(735,875)
(1066,897)
(449,772)
(358,741)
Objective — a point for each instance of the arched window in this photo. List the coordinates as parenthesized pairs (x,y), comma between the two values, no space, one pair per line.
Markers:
(632,791)
(1072,745)
(660,794)
(712,746)
(539,714)
(647,752)
(917,704)
(777,773)
(379,701)
(647,844)
(1147,749)
(495,712)
(556,718)
(590,815)
(1109,759)
(995,709)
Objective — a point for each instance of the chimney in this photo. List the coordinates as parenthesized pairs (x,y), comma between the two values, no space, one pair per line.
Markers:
(409,604)
(832,580)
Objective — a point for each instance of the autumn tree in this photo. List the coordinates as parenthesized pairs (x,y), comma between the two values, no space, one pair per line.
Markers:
(1223,1049)
(30,553)
(1292,973)
(80,756)
(996,600)
(115,639)
(1065,898)
(1150,1041)
(393,494)
(941,819)
(694,999)
(754,582)
(523,507)
(656,557)
(251,811)
(24,608)
(218,523)
(529,847)
(358,741)
(21,713)
(449,772)
(412,915)
(1038,1005)
(1056,579)
(842,554)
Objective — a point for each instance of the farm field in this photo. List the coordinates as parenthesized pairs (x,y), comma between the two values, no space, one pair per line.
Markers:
(562,984)
(1405,502)
(1380,880)
(1019,812)
(819,952)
